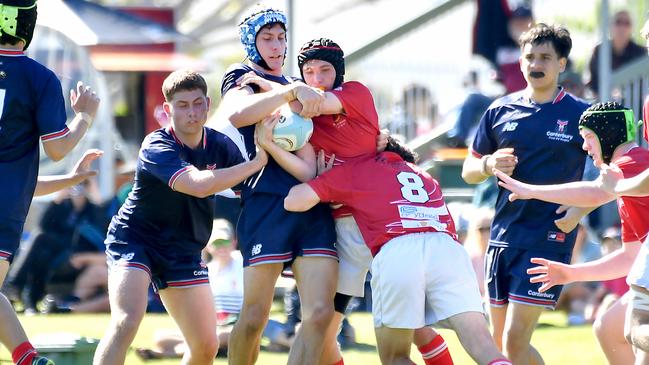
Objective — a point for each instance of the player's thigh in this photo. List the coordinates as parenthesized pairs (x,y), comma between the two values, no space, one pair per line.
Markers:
(192,308)
(354,258)
(259,288)
(398,285)
(316,279)
(128,292)
(522,319)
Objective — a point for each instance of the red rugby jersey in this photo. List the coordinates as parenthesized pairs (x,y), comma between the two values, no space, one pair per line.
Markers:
(634,211)
(388,198)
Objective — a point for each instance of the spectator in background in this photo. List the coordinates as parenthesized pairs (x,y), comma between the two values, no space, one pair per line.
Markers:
(623,49)
(571,81)
(508,72)
(71,223)
(507,57)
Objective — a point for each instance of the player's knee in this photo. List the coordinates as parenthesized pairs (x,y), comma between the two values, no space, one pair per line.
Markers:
(516,342)
(204,348)
(321,315)
(253,318)
(127,324)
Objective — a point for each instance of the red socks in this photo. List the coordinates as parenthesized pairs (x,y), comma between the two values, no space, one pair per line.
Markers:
(24,354)
(339,362)
(436,352)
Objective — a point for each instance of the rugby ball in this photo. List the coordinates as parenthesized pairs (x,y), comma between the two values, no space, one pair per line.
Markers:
(292,131)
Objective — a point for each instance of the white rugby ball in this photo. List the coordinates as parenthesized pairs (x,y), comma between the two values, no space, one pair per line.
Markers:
(292,131)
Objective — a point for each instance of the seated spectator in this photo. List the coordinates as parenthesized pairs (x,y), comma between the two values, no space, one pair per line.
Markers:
(623,49)
(70,224)
(90,293)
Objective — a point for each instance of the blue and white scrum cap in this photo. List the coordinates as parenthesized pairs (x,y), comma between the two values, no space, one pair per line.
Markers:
(252,24)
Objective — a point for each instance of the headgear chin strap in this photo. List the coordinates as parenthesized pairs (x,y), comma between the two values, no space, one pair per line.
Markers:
(18,19)
(612,124)
(251,25)
(326,50)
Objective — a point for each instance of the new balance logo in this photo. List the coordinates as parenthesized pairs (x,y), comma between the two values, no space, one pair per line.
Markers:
(256,249)
(510,126)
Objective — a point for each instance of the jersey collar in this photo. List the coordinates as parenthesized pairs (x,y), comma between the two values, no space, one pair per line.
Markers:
(170,129)
(560,95)
(11,52)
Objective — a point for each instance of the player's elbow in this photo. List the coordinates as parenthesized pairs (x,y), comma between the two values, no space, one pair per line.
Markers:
(292,204)
(55,154)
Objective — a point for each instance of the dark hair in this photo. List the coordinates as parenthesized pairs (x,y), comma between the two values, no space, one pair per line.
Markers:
(182,80)
(556,35)
(402,150)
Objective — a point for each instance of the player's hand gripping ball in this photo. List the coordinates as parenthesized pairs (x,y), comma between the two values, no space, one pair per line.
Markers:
(292,131)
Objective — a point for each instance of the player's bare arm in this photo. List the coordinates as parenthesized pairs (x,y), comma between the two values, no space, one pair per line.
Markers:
(302,164)
(85,103)
(578,193)
(612,180)
(301,198)
(203,183)
(475,170)
(330,105)
(80,172)
(612,266)
(242,108)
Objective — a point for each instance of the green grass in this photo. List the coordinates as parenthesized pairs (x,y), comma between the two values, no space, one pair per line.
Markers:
(557,343)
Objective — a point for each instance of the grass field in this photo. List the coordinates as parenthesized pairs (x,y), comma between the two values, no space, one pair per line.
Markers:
(558,344)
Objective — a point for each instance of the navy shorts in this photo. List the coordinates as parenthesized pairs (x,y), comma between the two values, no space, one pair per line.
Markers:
(508,280)
(166,270)
(270,234)
(10,234)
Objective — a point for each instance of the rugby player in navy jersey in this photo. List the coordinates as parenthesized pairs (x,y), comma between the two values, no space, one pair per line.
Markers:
(158,234)
(31,108)
(271,238)
(531,135)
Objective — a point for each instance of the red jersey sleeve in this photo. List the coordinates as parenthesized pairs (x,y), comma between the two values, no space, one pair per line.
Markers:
(358,103)
(334,185)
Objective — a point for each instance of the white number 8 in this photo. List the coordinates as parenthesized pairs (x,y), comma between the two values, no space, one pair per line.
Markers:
(412,187)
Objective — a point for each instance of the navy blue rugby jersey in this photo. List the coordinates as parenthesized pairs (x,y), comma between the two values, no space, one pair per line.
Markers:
(31,108)
(545,138)
(156,215)
(272,178)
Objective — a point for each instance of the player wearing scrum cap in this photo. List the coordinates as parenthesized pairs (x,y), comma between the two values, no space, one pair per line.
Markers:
(33,109)
(271,238)
(346,129)
(609,133)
